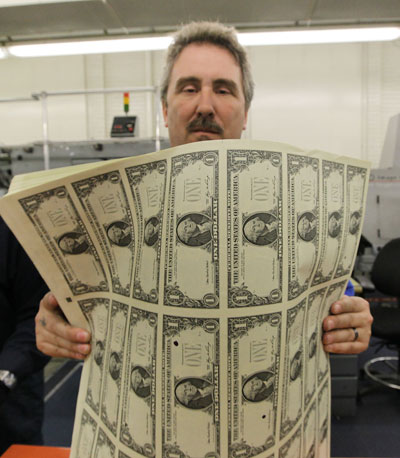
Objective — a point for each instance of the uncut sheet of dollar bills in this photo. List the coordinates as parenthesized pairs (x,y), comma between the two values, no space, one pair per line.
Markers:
(204,273)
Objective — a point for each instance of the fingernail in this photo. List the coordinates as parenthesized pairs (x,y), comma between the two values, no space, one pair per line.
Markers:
(83,349)
(327,338)
(338,308)
(83,336)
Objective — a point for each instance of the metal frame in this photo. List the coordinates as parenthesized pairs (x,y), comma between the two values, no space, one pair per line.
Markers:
(43,96)
(391,378)
(17,99)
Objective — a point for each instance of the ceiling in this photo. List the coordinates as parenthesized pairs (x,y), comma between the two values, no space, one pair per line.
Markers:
(87,18)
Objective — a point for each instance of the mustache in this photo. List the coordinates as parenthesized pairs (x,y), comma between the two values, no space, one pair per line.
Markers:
(204,123)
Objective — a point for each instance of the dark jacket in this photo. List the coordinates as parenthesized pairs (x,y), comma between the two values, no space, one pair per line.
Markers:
(21,288)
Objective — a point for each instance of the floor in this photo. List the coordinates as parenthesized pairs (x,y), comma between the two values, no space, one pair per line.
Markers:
(375,429)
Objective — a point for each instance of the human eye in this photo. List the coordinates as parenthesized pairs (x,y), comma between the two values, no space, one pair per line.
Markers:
(225,87)
(189,88)
(223,90)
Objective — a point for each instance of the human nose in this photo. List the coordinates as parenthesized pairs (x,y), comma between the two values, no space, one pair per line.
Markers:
(205,106)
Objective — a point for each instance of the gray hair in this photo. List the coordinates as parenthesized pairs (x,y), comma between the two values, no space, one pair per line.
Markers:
(216,34)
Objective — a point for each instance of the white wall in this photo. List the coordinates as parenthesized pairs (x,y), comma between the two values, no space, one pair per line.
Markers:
(332,97)
(309,96)
(21,122)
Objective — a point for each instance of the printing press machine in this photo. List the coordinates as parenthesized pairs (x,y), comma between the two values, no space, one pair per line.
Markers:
(29,158)
(15,160)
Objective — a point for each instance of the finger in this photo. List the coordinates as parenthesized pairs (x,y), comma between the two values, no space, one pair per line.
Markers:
(59,352)
(49,301)
(52,320)
(49,304)
(348,304)
(343,321)
(51,324)
(55,336)
(63,330)
(61,342)
(341,336)
(346,347)
(54,345)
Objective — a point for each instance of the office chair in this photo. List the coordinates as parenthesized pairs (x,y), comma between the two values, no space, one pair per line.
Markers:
(385,275)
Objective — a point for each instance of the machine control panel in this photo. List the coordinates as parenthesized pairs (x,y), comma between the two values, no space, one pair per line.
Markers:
(124,126)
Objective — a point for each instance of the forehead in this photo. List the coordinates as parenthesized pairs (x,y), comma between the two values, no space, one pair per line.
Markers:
(206,62)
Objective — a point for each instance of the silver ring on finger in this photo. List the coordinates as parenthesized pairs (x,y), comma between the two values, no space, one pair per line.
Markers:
(355,334)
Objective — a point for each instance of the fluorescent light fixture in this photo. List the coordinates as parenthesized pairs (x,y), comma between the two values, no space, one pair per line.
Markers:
(308,36)
(6,3)
(90,47)
(3,53)
(344,35)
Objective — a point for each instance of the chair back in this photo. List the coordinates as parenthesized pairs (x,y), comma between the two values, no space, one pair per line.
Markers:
(385,273)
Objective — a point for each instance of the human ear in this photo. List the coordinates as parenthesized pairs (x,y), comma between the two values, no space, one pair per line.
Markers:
(165,112)
(245,120)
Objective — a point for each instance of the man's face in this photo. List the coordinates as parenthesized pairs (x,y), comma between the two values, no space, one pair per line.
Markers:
(333,224)
(186,229)
(205,99)
(253,386)
(254,228)
(256,384)
(354,221)
(115,233)
(114,363)
(305,226)
(150,230)
(70,243)
(136,378)
(99,349)
(189,390)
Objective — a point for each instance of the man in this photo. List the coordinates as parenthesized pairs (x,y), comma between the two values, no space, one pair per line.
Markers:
(21,364)
(151,231)
(114,366)
(307,226)
(355,221)
(99,353)
(194,229)
(141,382)
(259,387)
(261,229)
(206,93)
(334,224)
(73,243)
(119,233)
(194,393)
(295,366)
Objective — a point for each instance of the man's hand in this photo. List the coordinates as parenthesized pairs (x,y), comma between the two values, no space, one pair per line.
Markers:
(55,336)
(350,318)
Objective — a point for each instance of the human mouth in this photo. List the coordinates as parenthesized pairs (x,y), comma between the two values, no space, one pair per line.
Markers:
(204,134)
(204,126)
